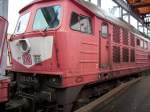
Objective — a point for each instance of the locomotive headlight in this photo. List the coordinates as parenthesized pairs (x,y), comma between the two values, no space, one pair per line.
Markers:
(24,45)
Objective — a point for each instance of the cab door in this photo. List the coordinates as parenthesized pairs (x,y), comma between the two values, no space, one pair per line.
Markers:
(3,45)
(104,46)
(82,39)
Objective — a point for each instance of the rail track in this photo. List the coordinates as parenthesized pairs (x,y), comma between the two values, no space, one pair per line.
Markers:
(108,97)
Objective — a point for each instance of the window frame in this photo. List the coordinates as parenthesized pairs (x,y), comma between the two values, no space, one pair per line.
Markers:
(90,21)
(30,14)
(101,34)
(61,17)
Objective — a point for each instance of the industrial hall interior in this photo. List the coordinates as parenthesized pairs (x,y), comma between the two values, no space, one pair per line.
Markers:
(74,55)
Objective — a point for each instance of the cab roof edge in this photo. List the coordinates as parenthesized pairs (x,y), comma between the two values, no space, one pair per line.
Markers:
(32,3)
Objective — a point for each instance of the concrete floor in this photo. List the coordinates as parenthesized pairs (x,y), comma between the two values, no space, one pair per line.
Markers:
(134,99)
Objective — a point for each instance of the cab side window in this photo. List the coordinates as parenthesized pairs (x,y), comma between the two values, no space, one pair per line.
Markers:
(81,23)
(75,22)
(104,30)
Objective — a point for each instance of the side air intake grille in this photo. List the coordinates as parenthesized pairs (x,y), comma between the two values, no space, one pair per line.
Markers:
(125,54)
(116,33)
(132,40)
(125,37)
(116,54)
(132,55)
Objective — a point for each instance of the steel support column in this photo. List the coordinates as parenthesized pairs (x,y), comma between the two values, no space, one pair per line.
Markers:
(99,3)
(126,7)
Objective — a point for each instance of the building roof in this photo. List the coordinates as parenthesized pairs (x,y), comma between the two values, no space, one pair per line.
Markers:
(141,7)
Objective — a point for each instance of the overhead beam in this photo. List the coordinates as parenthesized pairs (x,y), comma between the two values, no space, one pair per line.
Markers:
(133,1)
(144,10)
(140,4)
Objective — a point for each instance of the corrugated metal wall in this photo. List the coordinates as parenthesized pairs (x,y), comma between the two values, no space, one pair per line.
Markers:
(4,8)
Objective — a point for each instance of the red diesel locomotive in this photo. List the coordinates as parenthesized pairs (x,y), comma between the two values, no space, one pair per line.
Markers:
(62,49)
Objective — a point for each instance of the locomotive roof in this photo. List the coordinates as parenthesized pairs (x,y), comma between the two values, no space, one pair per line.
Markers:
(98,12)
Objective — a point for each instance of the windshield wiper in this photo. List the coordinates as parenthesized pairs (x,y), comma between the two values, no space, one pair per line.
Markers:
(44,31)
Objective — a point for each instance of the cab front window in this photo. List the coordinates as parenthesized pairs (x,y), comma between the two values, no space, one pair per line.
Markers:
(22,23)
(47,17)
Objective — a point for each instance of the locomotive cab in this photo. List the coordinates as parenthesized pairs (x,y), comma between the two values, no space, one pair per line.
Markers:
(33,44)
(53,40)
(45,68)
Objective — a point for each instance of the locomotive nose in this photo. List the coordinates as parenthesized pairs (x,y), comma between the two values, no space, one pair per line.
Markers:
(24,45)
(31,51)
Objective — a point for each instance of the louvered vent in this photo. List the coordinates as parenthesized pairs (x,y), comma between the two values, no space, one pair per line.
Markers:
(116,33)
(125,54)
(125,36)
(116,54)
(132,40)
(132,55)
